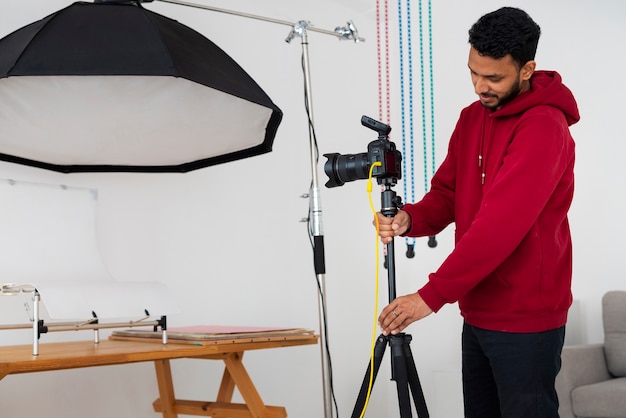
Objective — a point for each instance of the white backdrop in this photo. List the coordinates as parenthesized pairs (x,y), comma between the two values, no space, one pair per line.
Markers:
(228,239)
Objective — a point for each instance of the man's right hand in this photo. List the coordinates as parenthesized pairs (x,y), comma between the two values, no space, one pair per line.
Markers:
(392,227)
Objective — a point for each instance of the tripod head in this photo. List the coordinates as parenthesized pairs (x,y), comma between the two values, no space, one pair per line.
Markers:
(390,202)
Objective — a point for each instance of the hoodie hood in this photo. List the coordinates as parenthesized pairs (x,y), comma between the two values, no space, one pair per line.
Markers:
(547,89)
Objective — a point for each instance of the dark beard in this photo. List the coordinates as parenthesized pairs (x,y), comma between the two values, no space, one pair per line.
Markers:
(508,96)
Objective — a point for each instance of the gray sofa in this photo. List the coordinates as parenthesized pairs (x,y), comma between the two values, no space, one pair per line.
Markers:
(592,381)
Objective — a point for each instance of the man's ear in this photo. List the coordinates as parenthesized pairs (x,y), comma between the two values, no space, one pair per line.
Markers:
(527,70)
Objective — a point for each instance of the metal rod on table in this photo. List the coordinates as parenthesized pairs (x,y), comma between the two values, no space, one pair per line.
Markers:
(74,326)
(54,328)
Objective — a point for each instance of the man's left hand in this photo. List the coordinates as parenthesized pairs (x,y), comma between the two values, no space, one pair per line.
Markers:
(402,312)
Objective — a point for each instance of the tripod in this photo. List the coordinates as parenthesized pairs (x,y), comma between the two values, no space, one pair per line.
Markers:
(403,370)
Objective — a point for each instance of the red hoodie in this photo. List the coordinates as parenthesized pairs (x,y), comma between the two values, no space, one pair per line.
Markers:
(511,266)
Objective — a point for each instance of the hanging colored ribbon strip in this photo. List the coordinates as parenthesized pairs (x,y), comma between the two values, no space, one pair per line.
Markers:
(406,92)
(382,36)
(406,71)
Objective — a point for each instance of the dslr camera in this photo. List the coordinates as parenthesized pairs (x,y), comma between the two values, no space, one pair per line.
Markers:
(341,169)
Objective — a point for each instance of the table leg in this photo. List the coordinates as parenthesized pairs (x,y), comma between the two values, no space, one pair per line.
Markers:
(166,388)
(246,388)
(235,376)
(227,386)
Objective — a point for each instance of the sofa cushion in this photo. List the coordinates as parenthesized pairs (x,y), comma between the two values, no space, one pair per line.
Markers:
(614,319)
(605,399)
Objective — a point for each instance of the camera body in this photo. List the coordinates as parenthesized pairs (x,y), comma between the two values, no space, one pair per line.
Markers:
(349,167)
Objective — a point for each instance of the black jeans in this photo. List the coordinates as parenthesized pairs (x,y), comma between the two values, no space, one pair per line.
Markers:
(511,375)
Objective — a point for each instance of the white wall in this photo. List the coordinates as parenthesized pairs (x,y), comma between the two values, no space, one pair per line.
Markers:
(228,239)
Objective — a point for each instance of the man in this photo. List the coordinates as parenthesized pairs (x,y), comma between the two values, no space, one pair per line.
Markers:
(507,183)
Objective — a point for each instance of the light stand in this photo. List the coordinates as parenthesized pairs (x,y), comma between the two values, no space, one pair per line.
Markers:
(315,215)
(301,29)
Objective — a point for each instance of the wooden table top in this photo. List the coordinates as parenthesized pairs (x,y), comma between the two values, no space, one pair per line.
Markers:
(75,354)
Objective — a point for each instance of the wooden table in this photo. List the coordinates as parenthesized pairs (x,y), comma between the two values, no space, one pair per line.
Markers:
(70,355)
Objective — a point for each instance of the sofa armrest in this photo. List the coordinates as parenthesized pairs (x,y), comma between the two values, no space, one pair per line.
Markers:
(581,365)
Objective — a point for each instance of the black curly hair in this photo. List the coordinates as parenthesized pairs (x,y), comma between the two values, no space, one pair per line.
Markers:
(506,31)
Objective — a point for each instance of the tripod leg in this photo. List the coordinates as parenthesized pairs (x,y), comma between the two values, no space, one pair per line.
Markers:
(414,381)
(400,375)
(379,352)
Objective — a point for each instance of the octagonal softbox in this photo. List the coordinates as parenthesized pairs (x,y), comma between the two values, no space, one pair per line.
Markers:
(116,87)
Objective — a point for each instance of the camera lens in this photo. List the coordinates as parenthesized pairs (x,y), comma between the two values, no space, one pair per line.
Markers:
(343,168)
